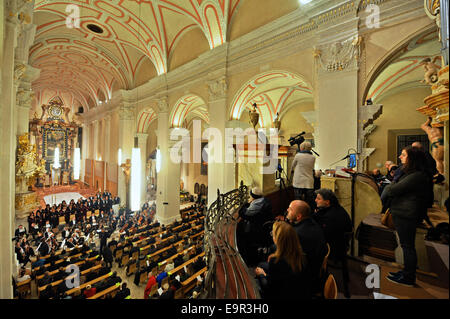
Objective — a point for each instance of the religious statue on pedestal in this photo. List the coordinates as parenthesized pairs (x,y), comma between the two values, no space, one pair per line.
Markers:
(254,116)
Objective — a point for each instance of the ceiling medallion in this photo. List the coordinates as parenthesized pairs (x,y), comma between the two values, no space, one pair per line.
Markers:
(95,28)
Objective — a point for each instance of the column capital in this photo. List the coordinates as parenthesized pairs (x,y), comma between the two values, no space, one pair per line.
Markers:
(339,56)
(217,88)
(126,112)
(163,104)
(142,137)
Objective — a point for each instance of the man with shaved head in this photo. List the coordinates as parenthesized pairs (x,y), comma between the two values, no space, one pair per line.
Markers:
(311,236)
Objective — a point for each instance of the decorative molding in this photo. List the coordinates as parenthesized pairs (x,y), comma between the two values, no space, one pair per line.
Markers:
(24,98)
(218,89)
(339,56)
(163,104)
(126,113)
(19,71)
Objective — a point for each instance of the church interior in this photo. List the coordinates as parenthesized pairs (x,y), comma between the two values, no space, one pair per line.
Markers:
(133,133)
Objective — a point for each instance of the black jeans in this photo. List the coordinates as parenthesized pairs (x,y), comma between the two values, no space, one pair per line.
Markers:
(305,194)
(406,230)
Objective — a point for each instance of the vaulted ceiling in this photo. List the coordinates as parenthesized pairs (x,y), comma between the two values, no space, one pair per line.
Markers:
(404,69)
(121,44)
(114,39)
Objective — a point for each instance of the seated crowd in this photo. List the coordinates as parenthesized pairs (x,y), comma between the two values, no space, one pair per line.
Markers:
(290,265)
(53,249)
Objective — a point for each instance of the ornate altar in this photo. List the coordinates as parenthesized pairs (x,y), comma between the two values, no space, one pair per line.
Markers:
(54,130)
(28,169)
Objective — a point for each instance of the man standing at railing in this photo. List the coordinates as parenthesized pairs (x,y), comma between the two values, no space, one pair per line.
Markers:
(251,232)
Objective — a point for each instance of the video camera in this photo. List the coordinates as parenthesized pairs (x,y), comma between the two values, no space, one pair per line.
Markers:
(297,140)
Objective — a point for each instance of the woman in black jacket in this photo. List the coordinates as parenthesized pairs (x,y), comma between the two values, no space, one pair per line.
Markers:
(409,202)
(283,276)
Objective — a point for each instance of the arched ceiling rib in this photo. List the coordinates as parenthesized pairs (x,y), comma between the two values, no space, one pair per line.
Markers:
(404,69)
(186,108)
(270,91)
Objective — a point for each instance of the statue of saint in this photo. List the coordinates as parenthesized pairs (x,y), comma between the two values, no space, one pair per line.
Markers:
(437,144)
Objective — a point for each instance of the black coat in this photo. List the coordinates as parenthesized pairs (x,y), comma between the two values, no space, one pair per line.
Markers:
(313,242)
(282,283)
(107,255)
(410,196)
(335,222)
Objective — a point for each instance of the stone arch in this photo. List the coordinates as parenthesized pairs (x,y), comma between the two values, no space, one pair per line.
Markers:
(398,66)
(187,107)
(144,119)
(270,91)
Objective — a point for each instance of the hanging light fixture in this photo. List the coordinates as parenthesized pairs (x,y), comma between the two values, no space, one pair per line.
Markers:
(135,182)
(76,163)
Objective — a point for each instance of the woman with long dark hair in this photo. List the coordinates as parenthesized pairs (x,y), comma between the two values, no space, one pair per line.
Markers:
(409,202)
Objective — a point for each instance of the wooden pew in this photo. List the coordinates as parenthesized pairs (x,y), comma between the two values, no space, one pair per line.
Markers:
(190,283)
(24,286)
(185,264)
(62,259)
(73,290)
(84,272)
(56,283)
(111,290)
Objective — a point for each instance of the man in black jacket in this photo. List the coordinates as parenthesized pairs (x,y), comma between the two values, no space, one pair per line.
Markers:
(251,233)
(334,220)
(337,227)
(311,236)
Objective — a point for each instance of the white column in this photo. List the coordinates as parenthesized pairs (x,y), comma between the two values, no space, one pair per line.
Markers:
(107,147)
(142,143)
(84,149)
(221,175)
(126,129)
(7,155)
(96,125)
(168,178)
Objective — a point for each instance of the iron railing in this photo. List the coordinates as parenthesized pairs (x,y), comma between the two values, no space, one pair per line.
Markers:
(222,213)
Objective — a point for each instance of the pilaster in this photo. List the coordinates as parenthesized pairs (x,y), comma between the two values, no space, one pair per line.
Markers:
(168,178)
(223,178)
(336,102)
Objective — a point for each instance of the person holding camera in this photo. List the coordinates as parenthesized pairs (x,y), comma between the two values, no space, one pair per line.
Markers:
(303,174)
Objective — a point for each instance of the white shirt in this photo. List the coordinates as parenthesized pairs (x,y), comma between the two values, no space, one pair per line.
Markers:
(303,167)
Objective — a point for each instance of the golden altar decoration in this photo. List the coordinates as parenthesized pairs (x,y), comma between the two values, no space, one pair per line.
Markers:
(28,169)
